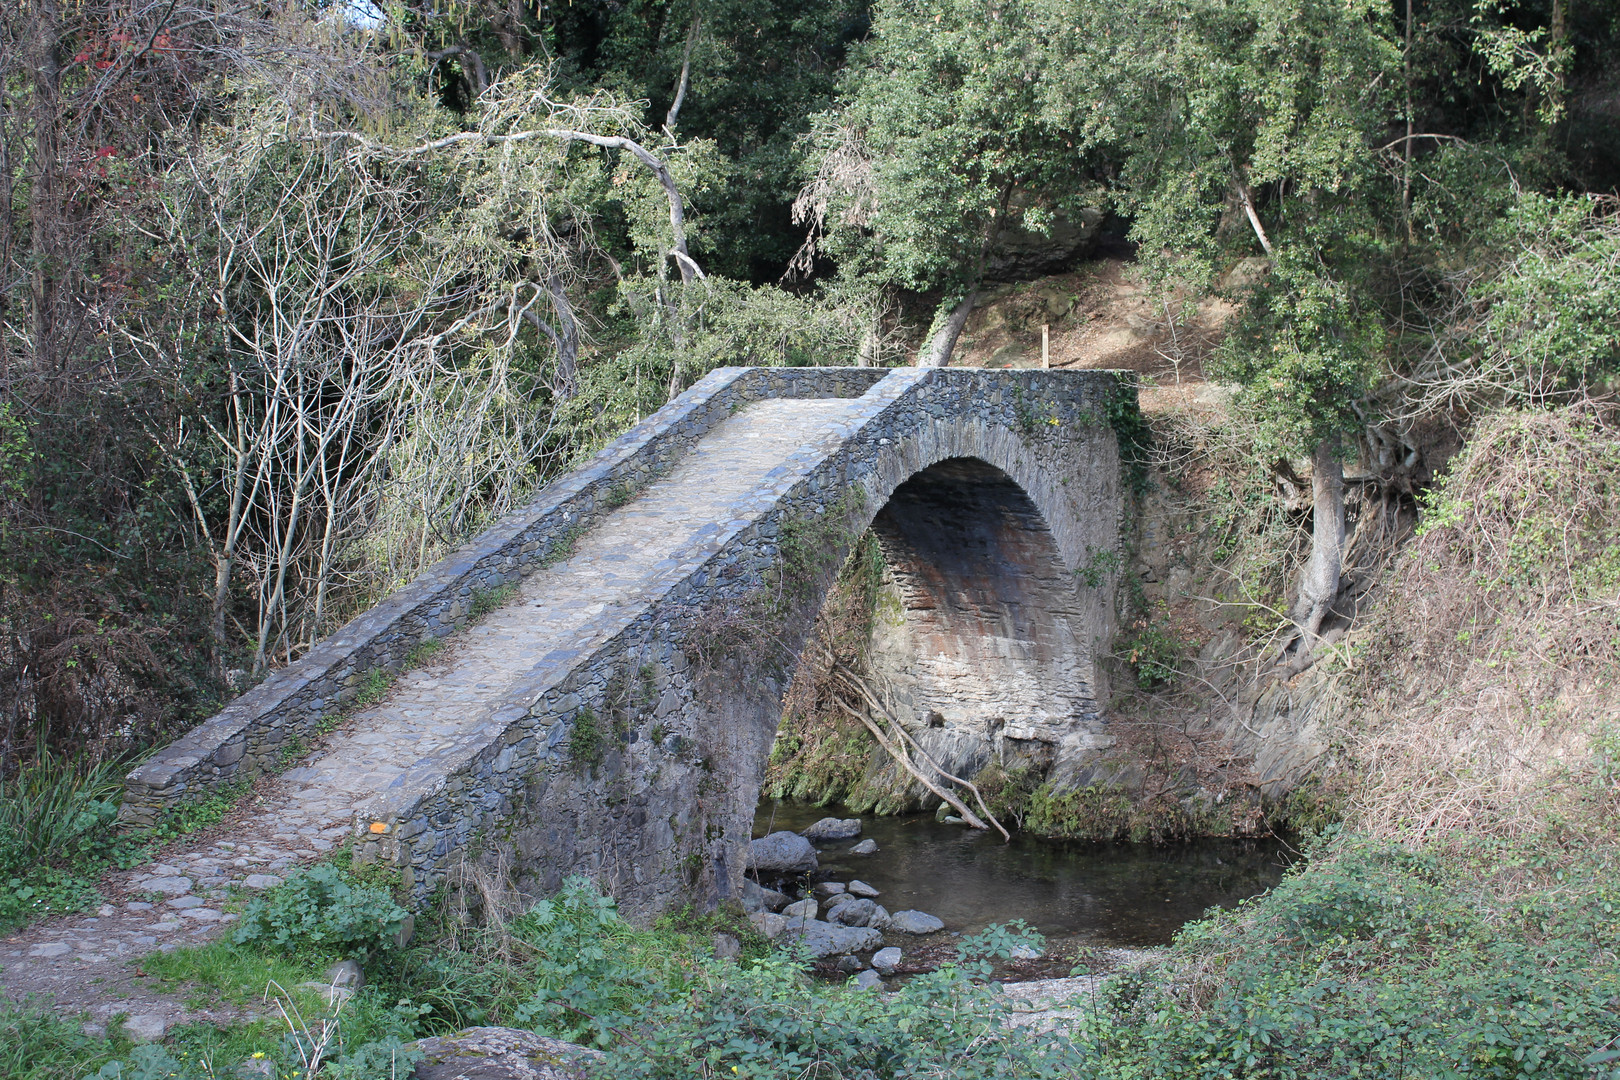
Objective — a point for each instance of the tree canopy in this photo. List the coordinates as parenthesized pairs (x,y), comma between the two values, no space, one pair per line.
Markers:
(294,298)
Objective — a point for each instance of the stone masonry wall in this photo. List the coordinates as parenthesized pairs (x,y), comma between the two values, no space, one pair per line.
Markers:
(633,754)
(976,647)
(251,734)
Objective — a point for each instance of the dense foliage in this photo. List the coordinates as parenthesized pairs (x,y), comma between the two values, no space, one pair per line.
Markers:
(275,339)
(1374,961)
(1380,961)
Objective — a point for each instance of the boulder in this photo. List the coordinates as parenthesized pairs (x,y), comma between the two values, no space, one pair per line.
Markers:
(824,889)
(1244,275)
(853,913)
(915,922)
(861,888)
(865,847)
(825,939)
(781,853)
(495,1053)
(346,974)
(755,897)
(829,829)
(147,1027)
(867,980)
(884,960)
(880,918)
(802,909)
(837,898)
(1021,253)
(726,947)
(768,924)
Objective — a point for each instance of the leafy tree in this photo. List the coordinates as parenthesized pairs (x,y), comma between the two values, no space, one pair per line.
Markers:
(945,137)
(747,74)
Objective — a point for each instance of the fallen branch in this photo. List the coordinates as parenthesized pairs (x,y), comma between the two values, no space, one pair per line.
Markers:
(860,687)
(899,755)
(855,683)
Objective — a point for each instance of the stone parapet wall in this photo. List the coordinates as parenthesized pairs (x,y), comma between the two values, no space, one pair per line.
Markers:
(633,753)
(254,732)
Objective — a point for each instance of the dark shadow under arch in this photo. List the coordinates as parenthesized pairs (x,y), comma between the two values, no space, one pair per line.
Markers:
(980,643)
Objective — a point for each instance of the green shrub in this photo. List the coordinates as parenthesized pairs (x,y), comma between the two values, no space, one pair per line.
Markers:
(1380,961)
(58,808)
(585,986)
(1152,651)
(323,910)
(56,835)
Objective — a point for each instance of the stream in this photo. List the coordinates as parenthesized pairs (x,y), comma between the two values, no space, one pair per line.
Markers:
(1132,895)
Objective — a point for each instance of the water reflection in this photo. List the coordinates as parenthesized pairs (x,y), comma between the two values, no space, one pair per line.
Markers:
(1103,894)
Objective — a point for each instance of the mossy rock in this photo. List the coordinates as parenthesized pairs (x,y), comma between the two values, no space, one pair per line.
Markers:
(497,1053)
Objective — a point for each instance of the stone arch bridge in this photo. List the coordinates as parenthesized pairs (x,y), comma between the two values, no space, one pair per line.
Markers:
(613,713)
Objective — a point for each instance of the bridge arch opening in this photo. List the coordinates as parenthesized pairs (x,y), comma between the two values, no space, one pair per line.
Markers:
(958,619)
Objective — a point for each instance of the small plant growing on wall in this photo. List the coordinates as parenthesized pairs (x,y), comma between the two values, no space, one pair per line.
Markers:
(587,741)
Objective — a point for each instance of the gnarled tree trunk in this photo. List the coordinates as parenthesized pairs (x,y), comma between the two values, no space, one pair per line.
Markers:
(937,353)
(1319,581)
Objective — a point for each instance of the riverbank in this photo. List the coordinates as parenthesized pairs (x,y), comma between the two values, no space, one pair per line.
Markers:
(1377,960)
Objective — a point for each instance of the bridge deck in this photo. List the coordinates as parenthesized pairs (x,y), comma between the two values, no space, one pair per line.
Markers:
(428,712)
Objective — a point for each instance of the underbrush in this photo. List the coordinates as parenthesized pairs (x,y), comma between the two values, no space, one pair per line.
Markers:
(1482,692)
(656,999)
(34,1045)
(56,836)
(59,834)
(1377,959)
(1381,960)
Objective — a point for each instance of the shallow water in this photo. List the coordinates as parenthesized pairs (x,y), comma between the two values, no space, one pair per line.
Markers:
(1099,894)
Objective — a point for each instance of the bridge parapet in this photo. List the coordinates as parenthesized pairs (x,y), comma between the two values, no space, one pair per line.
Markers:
(251,735)
(632,752)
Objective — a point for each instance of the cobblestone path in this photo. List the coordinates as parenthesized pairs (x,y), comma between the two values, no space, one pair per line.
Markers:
(83,963)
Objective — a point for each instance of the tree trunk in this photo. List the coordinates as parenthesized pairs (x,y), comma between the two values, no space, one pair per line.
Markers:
(686,72)
(1319,581)
(568,339)
(937,353)
(44,61)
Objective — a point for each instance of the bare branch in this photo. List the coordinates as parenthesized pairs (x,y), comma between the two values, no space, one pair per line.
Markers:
(686,71)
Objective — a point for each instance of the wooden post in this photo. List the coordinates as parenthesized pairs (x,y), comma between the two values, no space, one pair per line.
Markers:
(1046,345)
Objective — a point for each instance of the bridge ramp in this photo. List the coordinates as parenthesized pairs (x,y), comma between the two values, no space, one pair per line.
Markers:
(432,714)
(614,716)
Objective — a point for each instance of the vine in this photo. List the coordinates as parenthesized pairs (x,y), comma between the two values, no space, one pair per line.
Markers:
(1133,434)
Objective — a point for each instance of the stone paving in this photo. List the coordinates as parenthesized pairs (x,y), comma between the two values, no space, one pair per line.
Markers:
(83,963)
